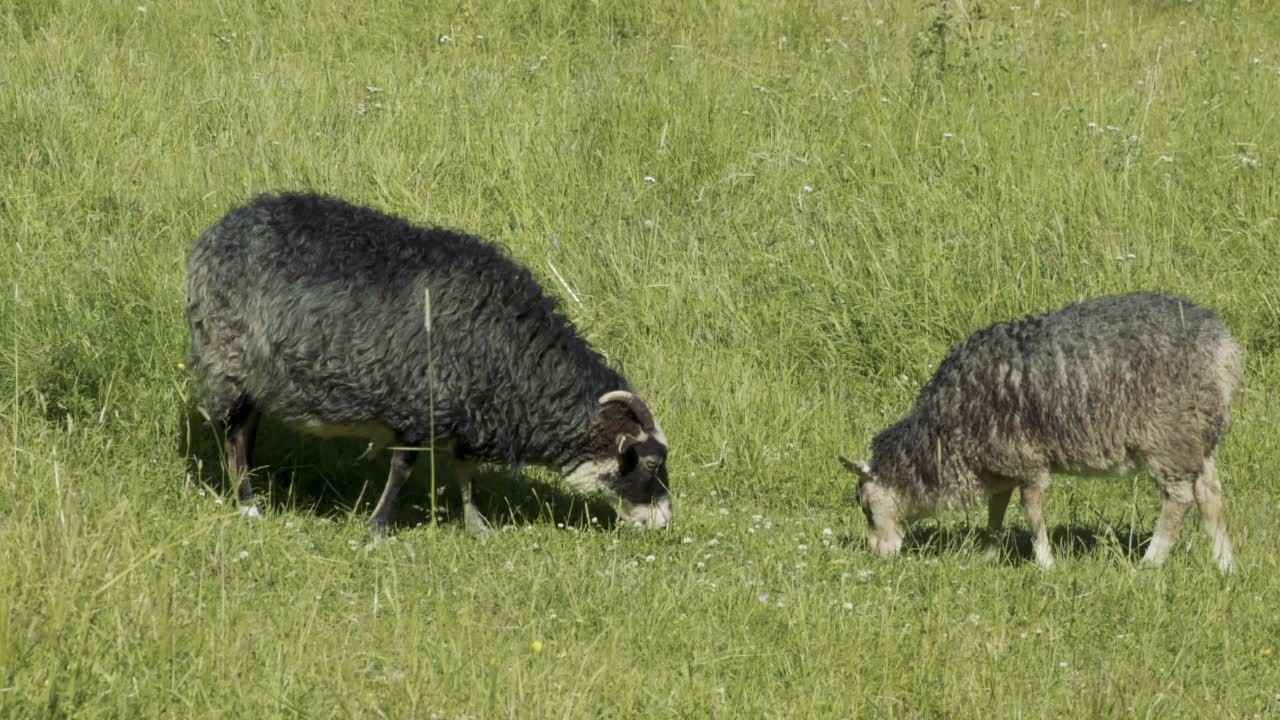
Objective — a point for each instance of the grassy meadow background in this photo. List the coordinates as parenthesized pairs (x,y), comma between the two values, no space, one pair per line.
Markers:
(774,217)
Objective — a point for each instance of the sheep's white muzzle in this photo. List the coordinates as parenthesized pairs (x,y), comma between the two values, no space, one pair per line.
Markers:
(651,516)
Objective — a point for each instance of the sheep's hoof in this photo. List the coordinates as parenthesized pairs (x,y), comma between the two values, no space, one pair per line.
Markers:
(991,552)
(378,534)
(1044,559)
(474,521)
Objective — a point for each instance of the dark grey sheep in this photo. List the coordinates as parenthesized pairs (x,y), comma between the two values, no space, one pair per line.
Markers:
(311,309)
(1105,386)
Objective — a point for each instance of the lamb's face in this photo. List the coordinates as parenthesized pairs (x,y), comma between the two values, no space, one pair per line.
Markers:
(880,505)
(629,468)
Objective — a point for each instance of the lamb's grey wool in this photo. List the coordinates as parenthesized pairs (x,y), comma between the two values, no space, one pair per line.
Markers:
(1106,386)
(311,309)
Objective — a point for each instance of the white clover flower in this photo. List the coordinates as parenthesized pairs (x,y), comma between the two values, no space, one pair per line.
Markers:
(847,606)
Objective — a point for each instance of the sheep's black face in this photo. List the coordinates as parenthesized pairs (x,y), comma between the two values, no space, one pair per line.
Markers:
(642,483)
(630,463)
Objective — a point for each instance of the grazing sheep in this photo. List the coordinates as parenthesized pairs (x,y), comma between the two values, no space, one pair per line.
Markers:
(1105,386)
(310,309)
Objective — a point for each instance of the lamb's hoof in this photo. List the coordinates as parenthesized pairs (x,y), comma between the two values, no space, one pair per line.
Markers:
(475,522)
(249,510)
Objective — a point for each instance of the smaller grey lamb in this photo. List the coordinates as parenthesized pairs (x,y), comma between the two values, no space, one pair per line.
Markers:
(1106,386)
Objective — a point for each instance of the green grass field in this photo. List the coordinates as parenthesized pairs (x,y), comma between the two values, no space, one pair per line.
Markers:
(774,218)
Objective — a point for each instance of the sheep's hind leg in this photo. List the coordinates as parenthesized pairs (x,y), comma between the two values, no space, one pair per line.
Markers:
(475,523)
(1208,493)
(242,430)
(1178,495)
(1032,496)
(402,462)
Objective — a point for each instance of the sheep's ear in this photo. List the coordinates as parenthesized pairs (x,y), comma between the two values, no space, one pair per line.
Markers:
(858,467)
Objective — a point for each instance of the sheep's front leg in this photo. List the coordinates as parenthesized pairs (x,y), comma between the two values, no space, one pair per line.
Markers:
(402,462)
(997,504)
(242,429)
(474,522)
(1033,506)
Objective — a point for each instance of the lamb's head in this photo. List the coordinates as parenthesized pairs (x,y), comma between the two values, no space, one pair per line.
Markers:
(881,506)
(626,462)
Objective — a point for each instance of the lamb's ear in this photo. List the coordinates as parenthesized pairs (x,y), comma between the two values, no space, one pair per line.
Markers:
(857,467)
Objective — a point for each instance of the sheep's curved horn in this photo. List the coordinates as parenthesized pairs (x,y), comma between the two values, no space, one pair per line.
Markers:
(635,405)
(861,468)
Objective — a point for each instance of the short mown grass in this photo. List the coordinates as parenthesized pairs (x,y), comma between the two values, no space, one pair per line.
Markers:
(774,217)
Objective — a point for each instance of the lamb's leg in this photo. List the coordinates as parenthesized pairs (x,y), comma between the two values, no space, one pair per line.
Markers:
(1032,496)
(242,430)
(401,468)
(997,504)
(1178,495)
(1208,492)
(474,522)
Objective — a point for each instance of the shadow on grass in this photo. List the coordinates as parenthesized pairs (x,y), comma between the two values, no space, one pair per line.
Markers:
(932,540)
(335,478)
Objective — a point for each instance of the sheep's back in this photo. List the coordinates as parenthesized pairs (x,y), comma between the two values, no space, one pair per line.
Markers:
(1088,385)
(315,307)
